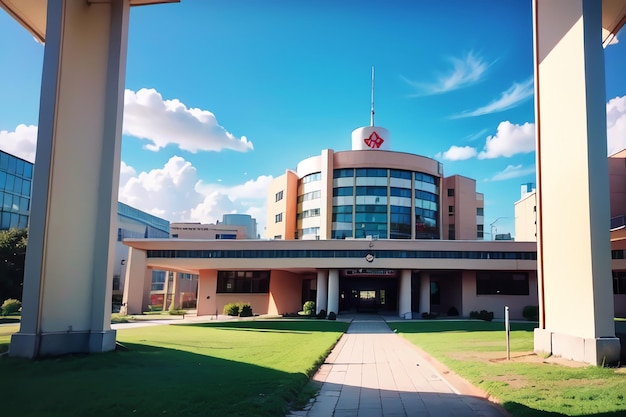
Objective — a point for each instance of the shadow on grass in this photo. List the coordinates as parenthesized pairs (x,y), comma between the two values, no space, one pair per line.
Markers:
(145,381)
(520,410)
(458,326)
(277,326)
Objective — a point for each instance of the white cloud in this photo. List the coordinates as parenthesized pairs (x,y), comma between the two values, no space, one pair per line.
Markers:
(510,139)
(513,171)
(465,71)
(457,153)
(616,124)
(162,122)
(175,193)
(514,95)
(22,142)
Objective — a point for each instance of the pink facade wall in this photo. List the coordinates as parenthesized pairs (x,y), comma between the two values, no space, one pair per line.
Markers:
(258,302)
(496,303)
(285,292)
(207,287)
(464,202)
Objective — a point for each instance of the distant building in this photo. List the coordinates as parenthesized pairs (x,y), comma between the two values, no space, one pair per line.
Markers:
(232,226)
(16,175)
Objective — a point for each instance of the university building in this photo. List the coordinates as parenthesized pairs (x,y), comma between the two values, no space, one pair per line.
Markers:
(363,230)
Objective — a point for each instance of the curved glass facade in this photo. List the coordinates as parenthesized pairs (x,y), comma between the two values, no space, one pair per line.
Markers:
(383,203)
(15,188)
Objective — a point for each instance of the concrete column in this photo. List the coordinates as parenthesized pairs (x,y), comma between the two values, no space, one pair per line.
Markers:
(321,298)
(70,255)
(175,291)
(576,303)
(166,290)
(207,291)
(134,282)
(425,293)
(404,302)
(333,291)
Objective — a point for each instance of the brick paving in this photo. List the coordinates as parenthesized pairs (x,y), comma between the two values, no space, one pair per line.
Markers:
(373,372)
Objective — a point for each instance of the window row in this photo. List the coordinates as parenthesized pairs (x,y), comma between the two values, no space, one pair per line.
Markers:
(383,172)
(312,177)
(501,283)
(313,195)
(249,282)
(11,202)
(330,253)
(12,221)
(13,165)
(14,184)
(308,213)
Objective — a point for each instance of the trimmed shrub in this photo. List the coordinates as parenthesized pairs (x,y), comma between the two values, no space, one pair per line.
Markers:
(231,309)
(332,316)
(309,308)
(245,310)
(482,315)
(10,306)
(177,312)
(453,312)
(531,313)
(428,316)
(321,314)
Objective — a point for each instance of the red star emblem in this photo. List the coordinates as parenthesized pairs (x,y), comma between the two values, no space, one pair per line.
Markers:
(374,141)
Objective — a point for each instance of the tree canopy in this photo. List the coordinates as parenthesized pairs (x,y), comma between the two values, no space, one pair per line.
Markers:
(12,256)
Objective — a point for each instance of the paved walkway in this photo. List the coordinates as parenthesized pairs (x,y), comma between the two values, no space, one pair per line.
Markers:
(373,372)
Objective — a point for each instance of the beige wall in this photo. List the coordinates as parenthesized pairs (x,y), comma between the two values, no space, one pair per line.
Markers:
(207,287)
(496,303)
(526,218)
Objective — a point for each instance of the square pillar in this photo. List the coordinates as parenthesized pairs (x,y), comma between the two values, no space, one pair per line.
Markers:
(69,261)
(404,295)
(575,286)
(321,298)
(333,291)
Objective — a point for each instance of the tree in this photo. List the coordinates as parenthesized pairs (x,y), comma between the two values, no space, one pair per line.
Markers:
(12,256)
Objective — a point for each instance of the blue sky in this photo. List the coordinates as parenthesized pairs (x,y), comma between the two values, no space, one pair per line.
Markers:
(223,96)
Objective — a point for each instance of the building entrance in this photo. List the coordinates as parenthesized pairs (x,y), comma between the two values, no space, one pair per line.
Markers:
(368,291)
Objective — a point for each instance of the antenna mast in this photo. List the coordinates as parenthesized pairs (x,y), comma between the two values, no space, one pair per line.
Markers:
(372,117)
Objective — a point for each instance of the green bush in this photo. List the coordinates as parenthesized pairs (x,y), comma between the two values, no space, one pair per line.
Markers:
(482,315)
(321,314)
(429,316)
(531,313)
(453,312)
(309,308)
(10,306)
(231,309)
(177,312)
(245,310)
(332,316)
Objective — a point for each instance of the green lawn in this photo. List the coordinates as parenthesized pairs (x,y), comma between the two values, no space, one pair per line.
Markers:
(251,368)
(526,386)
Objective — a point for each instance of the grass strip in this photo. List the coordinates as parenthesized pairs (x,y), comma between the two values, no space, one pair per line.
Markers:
(528,385)
(252,368)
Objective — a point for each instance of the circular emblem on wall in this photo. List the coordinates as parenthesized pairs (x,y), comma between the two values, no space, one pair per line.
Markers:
(369,258)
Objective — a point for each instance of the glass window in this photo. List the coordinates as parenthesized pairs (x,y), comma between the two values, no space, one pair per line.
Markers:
(396,173)
(342,209)
(19,169)
(371,190)
(312,177)
(279,195)
(501,283)
(480,211)
(400,192)
(343,173)
(450,192)
(28,170)
(342,191)
(17,186)
(10,182)
(278,218)
(12,165)
(4,161)
(619,282)
(3,179)
(26,188)
(371,172)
